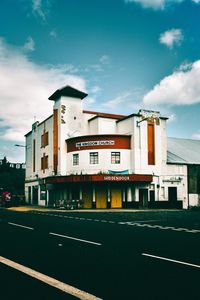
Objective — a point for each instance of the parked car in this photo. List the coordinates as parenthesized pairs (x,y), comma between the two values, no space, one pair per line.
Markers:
(6,200)
(69,204)
(74,204)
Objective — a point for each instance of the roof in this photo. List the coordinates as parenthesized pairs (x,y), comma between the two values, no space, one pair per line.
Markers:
(183,151)
(103,115)
(138,115)
(67,91)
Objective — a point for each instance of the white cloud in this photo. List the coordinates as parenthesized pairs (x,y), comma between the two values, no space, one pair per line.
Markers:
(104,59)
(121,99)
(53,33)
(172,118)
(196,135)
(95,89)
(171,38)
(88,102)
(180,88)
(155,4)
(30,44)
(24,90)
(38,9)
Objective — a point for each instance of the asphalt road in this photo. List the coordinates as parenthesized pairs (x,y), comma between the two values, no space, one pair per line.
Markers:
(121,255)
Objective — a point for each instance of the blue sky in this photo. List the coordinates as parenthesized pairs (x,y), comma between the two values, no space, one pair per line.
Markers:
(126,54)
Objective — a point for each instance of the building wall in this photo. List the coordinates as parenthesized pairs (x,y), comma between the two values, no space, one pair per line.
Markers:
(69,121)
(104,164)
(33,157)
(70,117)
(175,176)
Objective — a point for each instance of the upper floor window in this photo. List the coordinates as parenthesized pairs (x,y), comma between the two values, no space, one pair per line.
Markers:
(75,159)
(94,158)
(44,139)
(115,157)
(44,162)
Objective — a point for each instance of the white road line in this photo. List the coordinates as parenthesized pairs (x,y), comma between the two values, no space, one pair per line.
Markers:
(172,260)
(76,239)
(18,225)
(49,280)
(146,221)
(159,227)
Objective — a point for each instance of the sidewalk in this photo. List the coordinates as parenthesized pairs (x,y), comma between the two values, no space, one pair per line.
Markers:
(47,209)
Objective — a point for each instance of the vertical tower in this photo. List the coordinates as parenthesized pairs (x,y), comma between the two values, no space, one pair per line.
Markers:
(67,121)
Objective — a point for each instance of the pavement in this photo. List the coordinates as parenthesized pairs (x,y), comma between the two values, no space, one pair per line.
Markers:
(47,209)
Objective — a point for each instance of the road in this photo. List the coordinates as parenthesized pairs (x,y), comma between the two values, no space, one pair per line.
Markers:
(105,255)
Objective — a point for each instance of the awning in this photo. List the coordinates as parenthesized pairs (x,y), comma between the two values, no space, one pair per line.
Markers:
(100,178)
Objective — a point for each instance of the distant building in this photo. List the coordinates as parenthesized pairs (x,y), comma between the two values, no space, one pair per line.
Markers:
(108,160)
(14,165)
(12,177)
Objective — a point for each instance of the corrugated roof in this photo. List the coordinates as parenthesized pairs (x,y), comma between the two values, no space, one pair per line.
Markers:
(184,151)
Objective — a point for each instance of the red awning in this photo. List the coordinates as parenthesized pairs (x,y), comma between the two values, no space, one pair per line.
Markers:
(100,178)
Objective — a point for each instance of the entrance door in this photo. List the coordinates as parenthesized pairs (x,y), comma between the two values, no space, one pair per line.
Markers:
(172,196)
(87,195)
(152,198)
(143,197)
(116,198)
(35,195)
(101,197)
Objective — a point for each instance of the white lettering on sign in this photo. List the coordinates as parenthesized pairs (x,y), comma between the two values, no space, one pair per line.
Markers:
(117,178)
(149,113)
(94,143)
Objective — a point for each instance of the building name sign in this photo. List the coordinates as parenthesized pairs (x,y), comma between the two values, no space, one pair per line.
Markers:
(116,178)
(94,143)
(149,113)
(173,179)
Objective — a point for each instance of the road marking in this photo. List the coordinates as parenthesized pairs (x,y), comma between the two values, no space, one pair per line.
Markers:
(49,280)
(172,260)
(76,239)
(137,224)
(146,221)
(18,225)
(131,223)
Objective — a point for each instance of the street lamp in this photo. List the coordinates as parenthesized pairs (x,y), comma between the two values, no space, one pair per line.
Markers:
(17,145)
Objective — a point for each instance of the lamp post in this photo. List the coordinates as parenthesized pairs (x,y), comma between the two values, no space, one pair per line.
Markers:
(17,145)
(22,146)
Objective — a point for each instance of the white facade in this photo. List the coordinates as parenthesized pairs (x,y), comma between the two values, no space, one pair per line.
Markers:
(125,157)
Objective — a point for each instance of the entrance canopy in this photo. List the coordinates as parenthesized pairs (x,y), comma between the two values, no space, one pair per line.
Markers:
(101,178)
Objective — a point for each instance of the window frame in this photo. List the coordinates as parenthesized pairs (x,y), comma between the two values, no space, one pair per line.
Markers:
(115,157)
(94,158)
(75,159)
(45,139)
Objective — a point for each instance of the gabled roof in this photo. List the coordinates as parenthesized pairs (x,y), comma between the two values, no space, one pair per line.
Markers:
(183,151)
(67,91)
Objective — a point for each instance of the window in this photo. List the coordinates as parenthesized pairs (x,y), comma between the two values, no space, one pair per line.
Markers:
(44,139)
(94,158)
(44,162)
(115,157)
(75,159)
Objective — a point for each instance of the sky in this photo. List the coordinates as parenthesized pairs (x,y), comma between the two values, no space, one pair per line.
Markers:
(126,54)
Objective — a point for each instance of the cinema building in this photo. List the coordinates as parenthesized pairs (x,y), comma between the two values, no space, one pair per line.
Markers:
(106,160)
